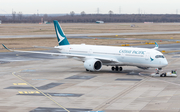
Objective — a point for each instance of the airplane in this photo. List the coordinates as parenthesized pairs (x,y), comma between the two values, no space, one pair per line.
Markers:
(95,56)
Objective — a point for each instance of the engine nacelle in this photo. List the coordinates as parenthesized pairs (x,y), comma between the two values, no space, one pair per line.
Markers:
(93,64)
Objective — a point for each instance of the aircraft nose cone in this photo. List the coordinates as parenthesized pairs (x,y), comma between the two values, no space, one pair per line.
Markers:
(165,63)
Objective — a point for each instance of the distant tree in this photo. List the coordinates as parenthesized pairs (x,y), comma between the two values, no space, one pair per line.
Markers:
(45,15)
(20,15)
(83,13)
(72,13)
(34,15)
(110,13)
(109,17)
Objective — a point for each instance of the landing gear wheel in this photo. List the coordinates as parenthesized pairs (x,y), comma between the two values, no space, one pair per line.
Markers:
(87,70)
(112,68)
(163,75)
(117,68)
(120,68)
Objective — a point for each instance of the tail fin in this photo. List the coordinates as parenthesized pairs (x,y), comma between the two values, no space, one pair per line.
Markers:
(62,40)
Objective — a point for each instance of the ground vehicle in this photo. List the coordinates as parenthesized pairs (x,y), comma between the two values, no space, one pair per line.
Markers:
(173,73)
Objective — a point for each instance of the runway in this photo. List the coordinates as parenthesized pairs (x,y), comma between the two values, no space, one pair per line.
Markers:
(82,35)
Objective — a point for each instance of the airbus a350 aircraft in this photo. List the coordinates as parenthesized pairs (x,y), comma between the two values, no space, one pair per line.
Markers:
(94,56)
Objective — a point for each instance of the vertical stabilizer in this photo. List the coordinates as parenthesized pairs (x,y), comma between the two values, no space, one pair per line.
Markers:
(62,40)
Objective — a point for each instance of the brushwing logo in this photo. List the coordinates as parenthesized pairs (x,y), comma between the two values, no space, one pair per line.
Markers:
(151,59)
(60,37)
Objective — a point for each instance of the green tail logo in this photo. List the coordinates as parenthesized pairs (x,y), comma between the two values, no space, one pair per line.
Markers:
(62,40)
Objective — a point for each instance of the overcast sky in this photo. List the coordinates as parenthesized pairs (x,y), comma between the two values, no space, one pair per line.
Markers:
(90,6)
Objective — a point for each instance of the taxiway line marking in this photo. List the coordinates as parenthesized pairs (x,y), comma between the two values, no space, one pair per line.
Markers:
(119,95)
(19,84)
(49,95)
(13,73)
(161,80)
(28,92)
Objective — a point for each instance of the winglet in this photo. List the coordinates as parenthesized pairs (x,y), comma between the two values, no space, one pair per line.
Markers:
(5,47)
(157,46)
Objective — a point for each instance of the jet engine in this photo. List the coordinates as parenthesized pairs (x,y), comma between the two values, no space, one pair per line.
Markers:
(93,64)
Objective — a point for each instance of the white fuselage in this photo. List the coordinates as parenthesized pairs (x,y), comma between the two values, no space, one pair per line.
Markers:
(126,56)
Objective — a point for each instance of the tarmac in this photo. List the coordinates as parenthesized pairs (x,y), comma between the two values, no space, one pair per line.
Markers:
(45,83)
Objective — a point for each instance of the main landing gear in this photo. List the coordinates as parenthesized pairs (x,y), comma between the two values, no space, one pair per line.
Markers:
(116,68)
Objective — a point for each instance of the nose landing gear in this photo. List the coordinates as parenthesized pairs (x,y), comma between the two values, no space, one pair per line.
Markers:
(158,69)
(116,68)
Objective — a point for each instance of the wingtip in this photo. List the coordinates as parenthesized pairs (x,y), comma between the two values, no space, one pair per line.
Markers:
(156,44)
(5,46)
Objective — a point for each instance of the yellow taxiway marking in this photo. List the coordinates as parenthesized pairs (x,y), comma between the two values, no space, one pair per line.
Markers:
(21,92)
(19,84)
(13,73)
(28,92)
(49,95)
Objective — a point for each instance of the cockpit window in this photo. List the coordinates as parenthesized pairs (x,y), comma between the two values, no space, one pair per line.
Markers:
(159,56)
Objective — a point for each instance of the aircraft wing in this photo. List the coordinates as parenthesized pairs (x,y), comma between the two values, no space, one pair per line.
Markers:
(50,48)
(82,57)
